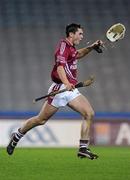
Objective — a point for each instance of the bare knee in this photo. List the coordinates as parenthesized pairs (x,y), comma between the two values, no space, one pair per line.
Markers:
(40,120)
(88,115)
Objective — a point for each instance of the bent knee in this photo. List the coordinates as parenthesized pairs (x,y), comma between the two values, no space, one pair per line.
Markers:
(89,115)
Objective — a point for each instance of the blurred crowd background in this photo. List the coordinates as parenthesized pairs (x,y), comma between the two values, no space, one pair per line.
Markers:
(29,33)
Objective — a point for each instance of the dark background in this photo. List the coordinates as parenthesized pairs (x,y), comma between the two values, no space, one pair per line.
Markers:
(29,33)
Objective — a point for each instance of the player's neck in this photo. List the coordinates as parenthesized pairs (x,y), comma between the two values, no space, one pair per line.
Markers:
(70,41)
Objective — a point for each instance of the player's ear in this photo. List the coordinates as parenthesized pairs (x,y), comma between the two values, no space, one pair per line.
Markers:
(71,34)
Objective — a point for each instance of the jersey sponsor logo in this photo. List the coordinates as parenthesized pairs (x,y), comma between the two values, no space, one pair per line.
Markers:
(73,66)
(68,72)
(75,62)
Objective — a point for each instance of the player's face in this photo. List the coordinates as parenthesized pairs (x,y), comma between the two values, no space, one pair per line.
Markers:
(78,36)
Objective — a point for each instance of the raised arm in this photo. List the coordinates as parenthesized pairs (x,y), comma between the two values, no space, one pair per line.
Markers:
(86,50)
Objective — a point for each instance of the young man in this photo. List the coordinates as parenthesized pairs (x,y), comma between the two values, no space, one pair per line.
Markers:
(64,74)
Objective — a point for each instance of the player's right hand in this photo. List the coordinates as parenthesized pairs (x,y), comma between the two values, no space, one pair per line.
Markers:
(69,86)
(97,43)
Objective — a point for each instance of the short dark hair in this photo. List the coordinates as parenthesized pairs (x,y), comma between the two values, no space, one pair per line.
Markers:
(72,28)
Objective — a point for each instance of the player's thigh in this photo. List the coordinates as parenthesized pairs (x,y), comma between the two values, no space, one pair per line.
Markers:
(81,105)
(47,111)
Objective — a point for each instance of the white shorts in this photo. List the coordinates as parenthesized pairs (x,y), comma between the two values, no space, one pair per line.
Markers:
(62,99)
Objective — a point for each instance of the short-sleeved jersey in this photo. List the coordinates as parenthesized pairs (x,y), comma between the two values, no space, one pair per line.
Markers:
(65,56)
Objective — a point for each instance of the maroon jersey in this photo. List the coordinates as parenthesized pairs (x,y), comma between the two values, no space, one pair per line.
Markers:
(65,56)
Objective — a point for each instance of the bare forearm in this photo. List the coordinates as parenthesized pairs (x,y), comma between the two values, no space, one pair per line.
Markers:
(63,77)
(84,51)
(62,74)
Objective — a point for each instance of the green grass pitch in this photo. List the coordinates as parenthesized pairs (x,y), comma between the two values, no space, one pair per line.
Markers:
(62,164)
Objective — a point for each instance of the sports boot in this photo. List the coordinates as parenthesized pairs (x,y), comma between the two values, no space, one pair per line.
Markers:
(86,153)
